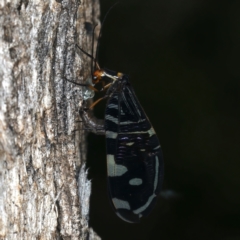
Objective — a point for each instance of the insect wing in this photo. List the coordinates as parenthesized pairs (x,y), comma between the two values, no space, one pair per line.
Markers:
(134,156)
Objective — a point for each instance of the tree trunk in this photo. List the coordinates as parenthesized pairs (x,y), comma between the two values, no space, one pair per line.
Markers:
(44,191)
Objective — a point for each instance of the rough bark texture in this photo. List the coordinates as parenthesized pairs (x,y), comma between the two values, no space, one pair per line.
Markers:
(44,192)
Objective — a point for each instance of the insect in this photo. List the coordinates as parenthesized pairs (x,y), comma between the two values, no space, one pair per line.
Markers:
(134,155)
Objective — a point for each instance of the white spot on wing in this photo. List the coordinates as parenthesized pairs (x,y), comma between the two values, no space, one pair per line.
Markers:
(151,132)
(114,170)
(115,106)
(126,220)
(111,118)
(118,203)
(131,122)
(135,181)
(127,122)
(112,135)
(144,207)
(157,147)
(156,172)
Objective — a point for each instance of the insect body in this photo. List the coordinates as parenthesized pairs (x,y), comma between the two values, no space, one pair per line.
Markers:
(134,156)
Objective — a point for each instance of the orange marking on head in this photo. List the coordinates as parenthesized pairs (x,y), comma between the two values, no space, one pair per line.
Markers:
(119,75)
(97,75)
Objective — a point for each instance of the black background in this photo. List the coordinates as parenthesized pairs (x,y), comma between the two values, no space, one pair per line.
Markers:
(183,60)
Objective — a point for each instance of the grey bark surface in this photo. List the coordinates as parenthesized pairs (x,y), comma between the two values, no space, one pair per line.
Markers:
(44,191)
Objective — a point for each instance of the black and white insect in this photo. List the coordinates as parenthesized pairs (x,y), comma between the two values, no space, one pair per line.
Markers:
(134,155)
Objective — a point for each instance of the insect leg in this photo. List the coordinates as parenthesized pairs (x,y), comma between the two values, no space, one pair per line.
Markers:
(96,102)
(106,86)
(82,84)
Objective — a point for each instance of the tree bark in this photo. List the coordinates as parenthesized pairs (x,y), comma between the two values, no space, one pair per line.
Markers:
(44,191)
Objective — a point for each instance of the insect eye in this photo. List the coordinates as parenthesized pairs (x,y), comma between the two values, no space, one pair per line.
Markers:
(97,75)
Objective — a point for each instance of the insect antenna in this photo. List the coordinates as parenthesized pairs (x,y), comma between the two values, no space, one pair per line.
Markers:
(95,64)
(99,35)
(94,60)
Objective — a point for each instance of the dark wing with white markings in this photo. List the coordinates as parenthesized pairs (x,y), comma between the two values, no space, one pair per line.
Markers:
(134,156)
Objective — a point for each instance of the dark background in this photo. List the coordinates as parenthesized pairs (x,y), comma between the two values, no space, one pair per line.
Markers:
(183,59)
